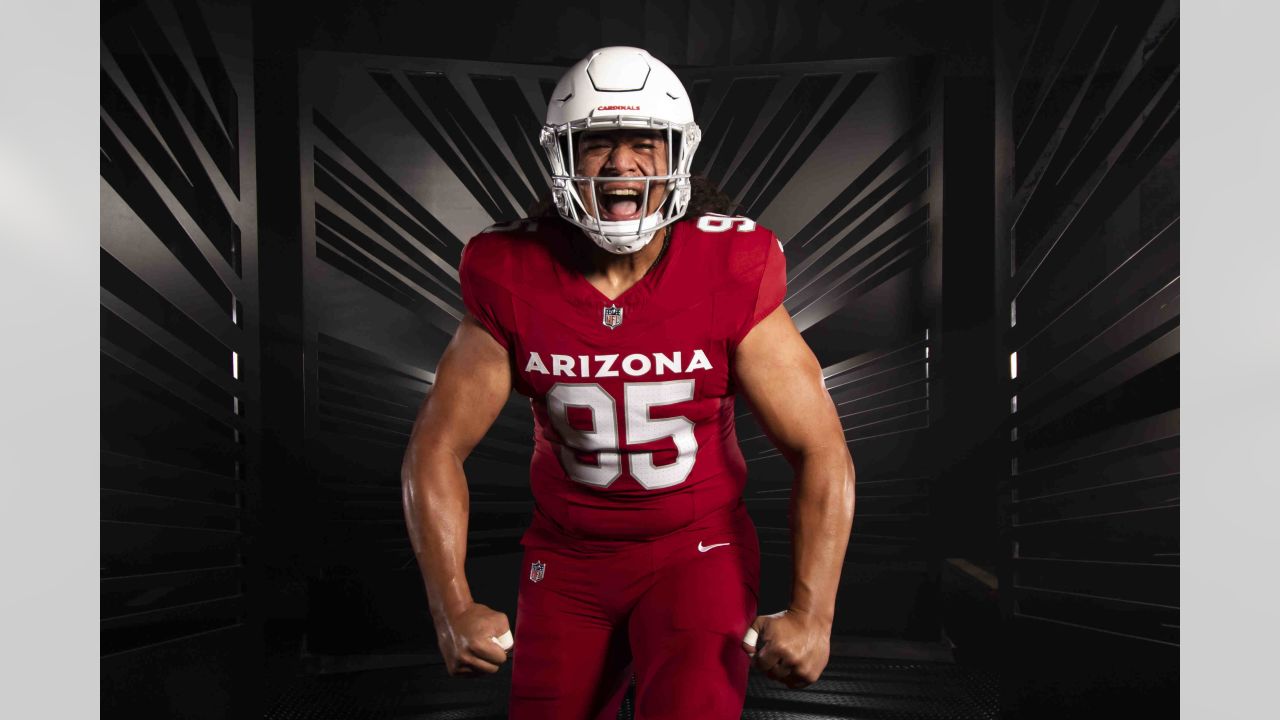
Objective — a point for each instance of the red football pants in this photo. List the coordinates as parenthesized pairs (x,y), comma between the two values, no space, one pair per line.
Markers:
(671,610)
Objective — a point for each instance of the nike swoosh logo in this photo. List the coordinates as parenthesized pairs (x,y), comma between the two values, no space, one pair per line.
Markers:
(704,548)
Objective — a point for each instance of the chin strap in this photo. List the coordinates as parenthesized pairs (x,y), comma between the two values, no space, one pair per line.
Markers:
(618,241)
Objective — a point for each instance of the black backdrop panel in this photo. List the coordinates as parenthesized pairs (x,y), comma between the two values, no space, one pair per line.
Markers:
(837,158)
(1093,318)
(404,159)
(179,350)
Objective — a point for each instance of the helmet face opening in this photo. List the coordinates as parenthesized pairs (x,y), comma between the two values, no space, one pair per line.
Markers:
(654,101)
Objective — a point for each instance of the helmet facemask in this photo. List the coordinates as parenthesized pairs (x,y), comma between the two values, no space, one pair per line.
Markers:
(568,187)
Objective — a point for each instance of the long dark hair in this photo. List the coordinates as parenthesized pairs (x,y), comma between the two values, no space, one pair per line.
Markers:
(706,197)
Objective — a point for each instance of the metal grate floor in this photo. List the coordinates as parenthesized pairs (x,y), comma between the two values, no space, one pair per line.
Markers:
(851,687)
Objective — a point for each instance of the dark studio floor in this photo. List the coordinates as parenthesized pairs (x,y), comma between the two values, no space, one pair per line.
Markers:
(867,679)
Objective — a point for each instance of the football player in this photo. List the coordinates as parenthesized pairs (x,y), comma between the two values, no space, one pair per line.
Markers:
(631,327)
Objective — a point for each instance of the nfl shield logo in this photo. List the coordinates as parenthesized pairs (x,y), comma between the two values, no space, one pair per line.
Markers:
(537,570)
(612,316)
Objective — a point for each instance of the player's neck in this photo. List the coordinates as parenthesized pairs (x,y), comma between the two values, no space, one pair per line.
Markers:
(614,274)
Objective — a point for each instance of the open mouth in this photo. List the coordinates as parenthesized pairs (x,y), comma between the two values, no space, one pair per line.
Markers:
(620,202)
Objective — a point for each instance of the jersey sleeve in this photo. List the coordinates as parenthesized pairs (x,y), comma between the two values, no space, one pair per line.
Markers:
(485,298)
(772,288)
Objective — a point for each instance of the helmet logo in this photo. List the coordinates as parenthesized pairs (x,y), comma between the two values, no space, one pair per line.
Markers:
(617,107)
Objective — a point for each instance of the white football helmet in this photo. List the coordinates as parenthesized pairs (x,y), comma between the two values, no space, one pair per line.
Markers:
(619,88)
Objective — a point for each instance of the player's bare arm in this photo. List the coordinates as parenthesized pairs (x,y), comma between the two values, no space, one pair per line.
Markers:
(473,381)
(781,378)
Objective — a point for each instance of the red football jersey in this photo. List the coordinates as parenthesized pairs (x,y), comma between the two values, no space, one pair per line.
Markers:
(632,397)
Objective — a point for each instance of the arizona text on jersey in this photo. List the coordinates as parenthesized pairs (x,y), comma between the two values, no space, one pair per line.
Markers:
(634,433)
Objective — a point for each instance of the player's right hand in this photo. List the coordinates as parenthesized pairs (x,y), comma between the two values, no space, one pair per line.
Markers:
(469,640)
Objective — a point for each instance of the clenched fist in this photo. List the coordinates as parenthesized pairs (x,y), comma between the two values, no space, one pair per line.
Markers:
(791,647)
(473,640)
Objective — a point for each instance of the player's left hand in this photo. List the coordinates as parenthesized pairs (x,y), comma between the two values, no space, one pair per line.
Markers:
(792,647)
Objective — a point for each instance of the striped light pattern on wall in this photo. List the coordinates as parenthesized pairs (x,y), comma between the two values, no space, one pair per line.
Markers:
(1093,321)
(178,356)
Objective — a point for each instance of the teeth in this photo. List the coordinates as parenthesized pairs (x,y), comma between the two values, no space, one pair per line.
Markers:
(624,191)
